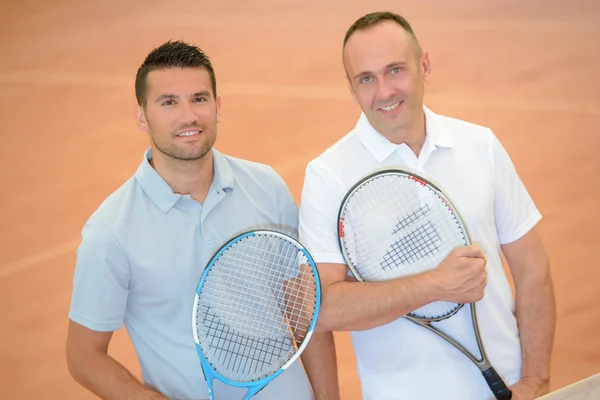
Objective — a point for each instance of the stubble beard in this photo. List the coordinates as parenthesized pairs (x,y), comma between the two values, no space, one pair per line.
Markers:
(186,152)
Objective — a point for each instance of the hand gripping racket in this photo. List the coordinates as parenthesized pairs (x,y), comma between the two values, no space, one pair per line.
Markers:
(255,309)
(394,223)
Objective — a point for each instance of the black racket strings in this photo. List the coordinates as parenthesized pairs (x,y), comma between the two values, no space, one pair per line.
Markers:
(423,226)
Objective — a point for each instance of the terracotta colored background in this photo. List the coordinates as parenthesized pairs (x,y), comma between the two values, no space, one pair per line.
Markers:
(527,69)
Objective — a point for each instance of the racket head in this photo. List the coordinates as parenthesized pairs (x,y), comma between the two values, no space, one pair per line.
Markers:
(394,223)
(255,309)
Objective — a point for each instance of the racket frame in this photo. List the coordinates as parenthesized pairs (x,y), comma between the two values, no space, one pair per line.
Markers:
(491,376)
(419,179)
(253,387)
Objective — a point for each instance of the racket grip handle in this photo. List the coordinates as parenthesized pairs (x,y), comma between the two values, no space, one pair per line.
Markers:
(496,384)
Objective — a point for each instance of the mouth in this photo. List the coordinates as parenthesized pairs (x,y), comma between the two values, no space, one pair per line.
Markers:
(391,107)
(189,133)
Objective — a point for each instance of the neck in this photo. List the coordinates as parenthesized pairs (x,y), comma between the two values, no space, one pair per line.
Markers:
(412,134)
(192,177)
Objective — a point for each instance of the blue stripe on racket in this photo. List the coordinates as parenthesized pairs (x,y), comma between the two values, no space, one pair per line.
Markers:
(394,223)
(255,309)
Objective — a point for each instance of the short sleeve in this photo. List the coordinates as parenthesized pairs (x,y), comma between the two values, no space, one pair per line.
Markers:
(320,202)
(100,281)
(514,210)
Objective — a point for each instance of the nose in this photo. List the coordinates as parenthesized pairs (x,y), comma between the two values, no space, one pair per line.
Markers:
(385,89)
(188,114)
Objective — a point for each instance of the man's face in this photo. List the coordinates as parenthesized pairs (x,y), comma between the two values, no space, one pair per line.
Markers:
(387,75)
(181,112)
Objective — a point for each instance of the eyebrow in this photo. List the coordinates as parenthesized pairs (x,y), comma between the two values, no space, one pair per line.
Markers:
(390,65)
(170,96)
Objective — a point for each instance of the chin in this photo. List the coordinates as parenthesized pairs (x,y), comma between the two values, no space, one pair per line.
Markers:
(185,154)
(197,155)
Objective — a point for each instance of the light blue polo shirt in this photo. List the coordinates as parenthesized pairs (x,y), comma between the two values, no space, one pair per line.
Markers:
(141,256)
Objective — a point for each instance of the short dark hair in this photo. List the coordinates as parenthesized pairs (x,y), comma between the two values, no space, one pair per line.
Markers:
(372,19)
(172,54)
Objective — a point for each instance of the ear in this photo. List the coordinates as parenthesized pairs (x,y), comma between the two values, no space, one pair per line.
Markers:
(348,81)
(140,118)
(218,103)
(426,67)
(351,89)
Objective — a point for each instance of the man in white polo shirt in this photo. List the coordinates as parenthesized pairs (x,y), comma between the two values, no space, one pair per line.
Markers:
(144,249)
(396,359)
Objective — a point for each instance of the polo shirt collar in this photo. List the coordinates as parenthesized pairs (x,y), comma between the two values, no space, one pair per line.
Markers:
(381,148)
(161,193)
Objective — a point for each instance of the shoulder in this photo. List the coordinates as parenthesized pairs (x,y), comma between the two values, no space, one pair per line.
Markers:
(464,129)
(103,233)
(117,205)
(336,158)
(242,168)
(243,165)
(257,179)
(468,138)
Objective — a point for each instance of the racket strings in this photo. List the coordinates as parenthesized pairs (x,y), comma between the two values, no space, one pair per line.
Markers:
(416,245)
(255,307)
(394,226)
(412,218)
(298,297)
(223,346)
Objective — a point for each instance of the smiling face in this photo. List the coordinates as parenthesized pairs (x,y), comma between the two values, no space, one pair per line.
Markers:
(180,113)
(387,73)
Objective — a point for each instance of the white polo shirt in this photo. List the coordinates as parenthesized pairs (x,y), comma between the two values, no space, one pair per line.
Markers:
(401,360)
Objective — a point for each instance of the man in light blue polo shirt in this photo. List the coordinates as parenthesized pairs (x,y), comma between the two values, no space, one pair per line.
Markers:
(144,249)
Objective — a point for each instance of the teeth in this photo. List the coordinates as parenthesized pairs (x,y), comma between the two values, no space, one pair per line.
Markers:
(390,108)
(190,133)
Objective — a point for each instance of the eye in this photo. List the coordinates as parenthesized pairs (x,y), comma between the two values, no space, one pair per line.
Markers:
(395,71)
(366,79)
(200,99)
(167,103)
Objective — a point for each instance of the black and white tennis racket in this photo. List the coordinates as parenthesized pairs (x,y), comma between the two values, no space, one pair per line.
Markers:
(255,309)
(394,223)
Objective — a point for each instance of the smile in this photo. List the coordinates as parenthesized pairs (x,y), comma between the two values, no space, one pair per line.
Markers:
(390,107)
(188,133)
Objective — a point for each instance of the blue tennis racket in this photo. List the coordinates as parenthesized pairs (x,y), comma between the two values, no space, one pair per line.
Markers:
(255,309)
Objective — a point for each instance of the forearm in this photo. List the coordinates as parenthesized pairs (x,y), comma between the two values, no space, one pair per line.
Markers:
(536,315)
(108,379)
(355,306)
(320,363)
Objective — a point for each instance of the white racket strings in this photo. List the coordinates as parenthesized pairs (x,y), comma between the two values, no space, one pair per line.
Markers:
(255,307)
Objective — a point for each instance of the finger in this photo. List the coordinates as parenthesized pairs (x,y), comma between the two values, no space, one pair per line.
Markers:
(472,251)
(480,247)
